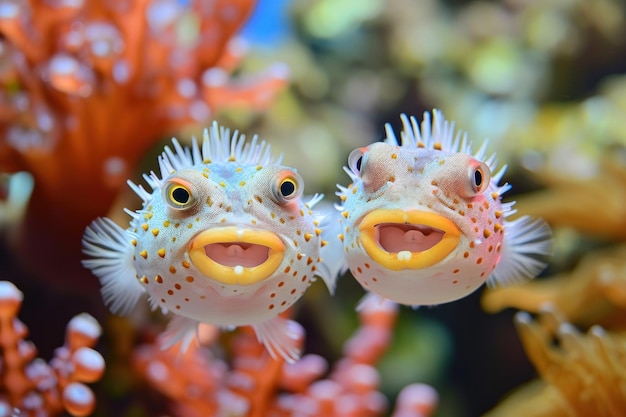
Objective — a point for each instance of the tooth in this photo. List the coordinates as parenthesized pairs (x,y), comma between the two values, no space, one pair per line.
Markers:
(238,269)
(404,255)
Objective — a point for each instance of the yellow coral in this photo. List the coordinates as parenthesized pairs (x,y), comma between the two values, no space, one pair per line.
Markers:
(585,375)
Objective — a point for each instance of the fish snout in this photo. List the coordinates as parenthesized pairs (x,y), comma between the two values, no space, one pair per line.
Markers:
(237,256)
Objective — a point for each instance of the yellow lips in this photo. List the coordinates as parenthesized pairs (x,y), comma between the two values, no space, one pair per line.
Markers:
(405,259)
(231,272)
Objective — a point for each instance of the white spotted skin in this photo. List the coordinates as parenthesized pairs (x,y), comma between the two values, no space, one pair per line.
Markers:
(228,194)
(432,171)
(427,180)
(223,237)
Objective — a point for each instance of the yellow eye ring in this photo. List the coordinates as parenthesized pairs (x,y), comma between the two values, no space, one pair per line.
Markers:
(179,194)
(287,186)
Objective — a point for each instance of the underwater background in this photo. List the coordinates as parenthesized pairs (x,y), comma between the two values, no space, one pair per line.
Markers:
(87,85)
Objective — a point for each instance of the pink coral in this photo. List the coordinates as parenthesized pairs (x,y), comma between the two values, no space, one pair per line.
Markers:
(255,385)
(35,388)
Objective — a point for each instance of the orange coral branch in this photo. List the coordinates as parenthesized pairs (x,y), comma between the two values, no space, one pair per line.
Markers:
(35,388)
(109,80)
(257,385)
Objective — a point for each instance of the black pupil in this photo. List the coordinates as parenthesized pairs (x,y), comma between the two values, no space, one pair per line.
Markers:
(180,195)
(478,178)
(287,188)
(358,164)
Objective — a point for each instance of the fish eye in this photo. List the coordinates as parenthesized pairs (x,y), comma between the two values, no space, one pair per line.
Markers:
(355,160)
(287,186)
(179,194)
(480,177)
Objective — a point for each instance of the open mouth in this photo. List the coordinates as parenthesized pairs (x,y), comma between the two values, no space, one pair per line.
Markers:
(399,239)
(232,255)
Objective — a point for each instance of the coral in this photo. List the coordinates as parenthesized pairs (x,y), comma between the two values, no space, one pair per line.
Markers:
(87,89)
(584,375)
(594,292)
(598,185)
(32,387)
(255,385)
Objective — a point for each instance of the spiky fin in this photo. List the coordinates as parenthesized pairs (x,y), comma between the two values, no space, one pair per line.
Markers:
(218,146)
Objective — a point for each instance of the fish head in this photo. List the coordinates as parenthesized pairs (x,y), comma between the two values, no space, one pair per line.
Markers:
(236,237)
(421,226)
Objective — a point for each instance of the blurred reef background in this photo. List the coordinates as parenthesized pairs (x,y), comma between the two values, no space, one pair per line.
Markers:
(91,91)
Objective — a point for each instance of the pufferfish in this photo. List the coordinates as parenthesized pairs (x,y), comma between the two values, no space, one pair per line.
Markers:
(223,237)
(423,222)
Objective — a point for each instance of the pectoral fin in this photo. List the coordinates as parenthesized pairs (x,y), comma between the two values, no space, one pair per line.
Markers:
(111,253)
(281,337)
